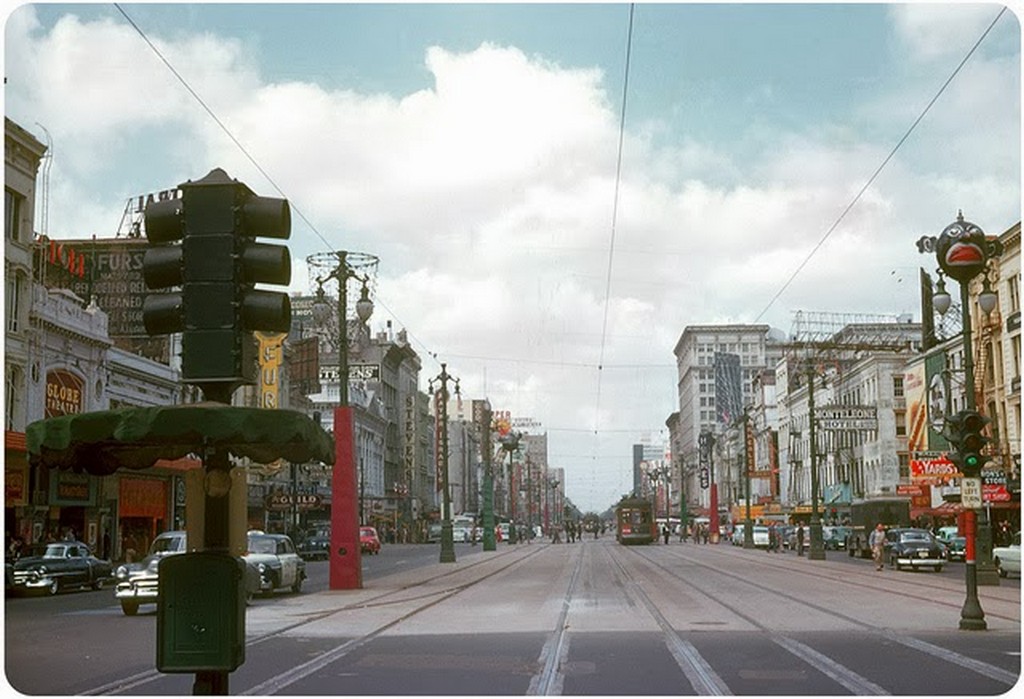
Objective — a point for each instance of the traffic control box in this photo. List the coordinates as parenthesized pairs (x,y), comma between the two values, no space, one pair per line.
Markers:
(200,613)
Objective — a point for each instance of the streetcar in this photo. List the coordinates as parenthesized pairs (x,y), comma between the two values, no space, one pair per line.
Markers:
(635,522)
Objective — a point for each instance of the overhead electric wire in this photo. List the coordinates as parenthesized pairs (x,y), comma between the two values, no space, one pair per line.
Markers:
(879,169)
(251,158)
(615,212)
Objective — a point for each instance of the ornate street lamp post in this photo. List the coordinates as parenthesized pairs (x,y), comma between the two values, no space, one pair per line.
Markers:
(364,309)
(447,540)
(963,252)
(510,443)
(345,558)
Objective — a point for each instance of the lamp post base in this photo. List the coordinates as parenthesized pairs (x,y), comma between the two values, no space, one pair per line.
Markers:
(817,549)
(447,542)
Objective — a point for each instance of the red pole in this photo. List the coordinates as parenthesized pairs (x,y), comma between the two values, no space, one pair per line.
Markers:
(346,566)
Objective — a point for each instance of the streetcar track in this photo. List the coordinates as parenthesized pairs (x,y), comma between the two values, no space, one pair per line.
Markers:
(556,649)
(702,677)
(921,582)
(299,672)
(130,682)
(870,581)
(991,671)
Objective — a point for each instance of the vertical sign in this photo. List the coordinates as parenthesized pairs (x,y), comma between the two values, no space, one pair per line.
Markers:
(270,368)
(438,446)
(728,387)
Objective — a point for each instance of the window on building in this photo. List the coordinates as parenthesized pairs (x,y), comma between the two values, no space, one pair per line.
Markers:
(15,284)
(901,424)
(897,386)
(1013,288)
(12,404)
(904,466)
(12,215)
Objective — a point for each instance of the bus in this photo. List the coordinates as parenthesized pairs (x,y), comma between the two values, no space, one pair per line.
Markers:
(865,514)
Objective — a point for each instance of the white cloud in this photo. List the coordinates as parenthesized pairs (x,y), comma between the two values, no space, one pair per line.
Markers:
(489,198)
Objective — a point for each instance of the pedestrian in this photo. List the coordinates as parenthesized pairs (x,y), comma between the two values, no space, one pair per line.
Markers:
(800,539)
(877,543)
(665,532)
(706,533)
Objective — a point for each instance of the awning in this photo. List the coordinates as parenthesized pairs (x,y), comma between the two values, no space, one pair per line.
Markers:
(100,443)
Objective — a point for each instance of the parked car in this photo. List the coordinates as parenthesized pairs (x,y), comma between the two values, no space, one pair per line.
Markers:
(369,542)
(316,546)
(434,533)
(913,548)
(274,557)
(834,537)
(62,565)
(944,534)
(138,583)
(956,548)
(1007,558)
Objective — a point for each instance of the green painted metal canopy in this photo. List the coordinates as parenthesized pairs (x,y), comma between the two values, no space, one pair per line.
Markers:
(135,438)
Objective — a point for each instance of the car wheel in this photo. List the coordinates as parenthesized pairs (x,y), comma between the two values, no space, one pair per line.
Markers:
(129,607)
(249,597)
(938,569)
(999,568)
(97,584)
(53,588)
(297,587)
(893,563)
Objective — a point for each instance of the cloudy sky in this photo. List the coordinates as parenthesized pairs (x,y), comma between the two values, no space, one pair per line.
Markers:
(548,223)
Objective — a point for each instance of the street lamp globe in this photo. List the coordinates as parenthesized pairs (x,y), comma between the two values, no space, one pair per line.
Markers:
(987,299)
(941,299)
(321,308)
(364,306)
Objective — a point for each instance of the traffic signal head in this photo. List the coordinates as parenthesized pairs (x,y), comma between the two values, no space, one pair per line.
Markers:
(163,268)
(217,265)
(972,442)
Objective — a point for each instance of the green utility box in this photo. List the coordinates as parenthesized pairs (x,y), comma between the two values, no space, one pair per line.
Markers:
(200,613)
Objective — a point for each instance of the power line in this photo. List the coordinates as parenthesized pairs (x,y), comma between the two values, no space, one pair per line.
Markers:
(879,169)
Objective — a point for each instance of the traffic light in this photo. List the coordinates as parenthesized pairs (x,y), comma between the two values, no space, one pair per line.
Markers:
(972,441)
(217,265)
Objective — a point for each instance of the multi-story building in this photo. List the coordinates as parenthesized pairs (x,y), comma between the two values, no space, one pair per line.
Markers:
(859,413)
(755,347)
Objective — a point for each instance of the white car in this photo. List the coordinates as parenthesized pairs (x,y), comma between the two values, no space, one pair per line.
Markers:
(1007,558)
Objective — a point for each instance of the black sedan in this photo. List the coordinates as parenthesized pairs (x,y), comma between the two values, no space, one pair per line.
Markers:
(314,547)
(64,564)
(913,548)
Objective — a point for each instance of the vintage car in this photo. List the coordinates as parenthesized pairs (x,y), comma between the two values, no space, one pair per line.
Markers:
(274,557)
(139,583)
(62,565)
(913,548)
(316,546)
(1007,558)
(369,542)
(956,548)
(834,537)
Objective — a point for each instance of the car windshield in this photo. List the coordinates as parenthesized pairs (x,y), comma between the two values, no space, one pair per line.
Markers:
(365,531)
(167,544)
(262,544)
(55,551)
(914,536)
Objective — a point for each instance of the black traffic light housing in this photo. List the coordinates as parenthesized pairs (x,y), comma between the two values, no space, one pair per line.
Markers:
(972,443)
(217,265)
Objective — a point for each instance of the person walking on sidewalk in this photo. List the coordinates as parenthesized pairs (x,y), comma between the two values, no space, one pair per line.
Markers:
(800,539)
(877,543)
